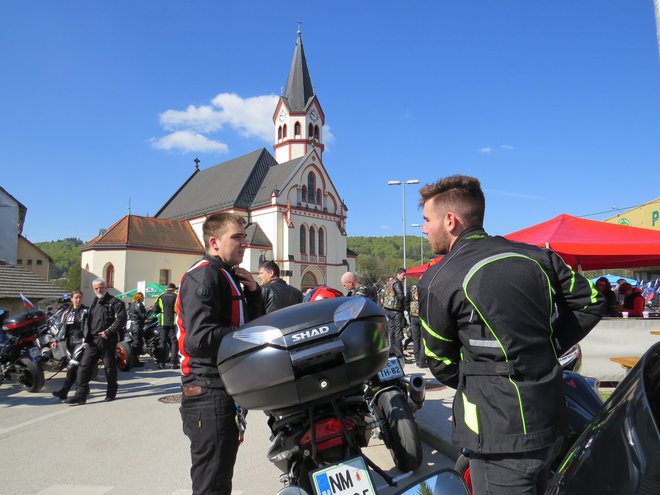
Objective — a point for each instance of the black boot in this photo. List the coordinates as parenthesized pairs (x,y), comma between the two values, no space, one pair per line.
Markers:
(64,391)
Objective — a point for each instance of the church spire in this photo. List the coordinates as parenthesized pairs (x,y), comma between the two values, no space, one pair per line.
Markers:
(299,90)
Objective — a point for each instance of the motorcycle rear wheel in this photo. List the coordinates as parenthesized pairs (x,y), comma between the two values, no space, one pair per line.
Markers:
(124,356)
(404,443)
(30,375)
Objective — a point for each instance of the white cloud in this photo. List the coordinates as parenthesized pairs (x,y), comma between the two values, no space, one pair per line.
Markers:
(506,147)
(250,117)
(189,141)
(487,149)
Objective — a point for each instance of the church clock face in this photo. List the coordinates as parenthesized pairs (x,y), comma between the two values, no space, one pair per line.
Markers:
(282,115)
(313,115)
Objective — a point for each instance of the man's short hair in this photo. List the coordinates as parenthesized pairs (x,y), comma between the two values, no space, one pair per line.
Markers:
(271,266)
(458,193)
(99,281)
(400,270)
(216,224)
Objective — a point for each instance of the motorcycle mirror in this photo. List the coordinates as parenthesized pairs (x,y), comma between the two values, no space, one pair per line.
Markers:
(443,482)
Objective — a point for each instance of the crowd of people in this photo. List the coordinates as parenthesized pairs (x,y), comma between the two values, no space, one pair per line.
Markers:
(622,301)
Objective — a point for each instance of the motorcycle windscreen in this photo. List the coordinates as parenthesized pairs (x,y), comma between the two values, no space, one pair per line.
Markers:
(619,451)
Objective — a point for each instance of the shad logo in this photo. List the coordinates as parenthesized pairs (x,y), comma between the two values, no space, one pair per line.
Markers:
(309,334)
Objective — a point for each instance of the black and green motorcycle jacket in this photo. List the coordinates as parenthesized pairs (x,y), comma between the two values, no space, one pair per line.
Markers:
(495,315)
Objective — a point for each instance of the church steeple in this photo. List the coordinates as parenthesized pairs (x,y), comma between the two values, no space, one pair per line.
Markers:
(298,116)
(299,89)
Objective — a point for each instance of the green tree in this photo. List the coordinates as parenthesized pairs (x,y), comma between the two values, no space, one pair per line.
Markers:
(66,255)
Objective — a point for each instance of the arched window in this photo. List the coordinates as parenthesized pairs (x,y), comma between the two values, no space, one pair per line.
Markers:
(316,132)
(110,275)
(318,196)
(304,193)
(303,239)
(309,281)
(312,240)
(284,131)
(321,241)
(279,133)
(310,131)
(311,187)
(296,129)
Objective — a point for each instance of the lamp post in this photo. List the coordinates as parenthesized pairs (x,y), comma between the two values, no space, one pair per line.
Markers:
(403,183)
(421,243)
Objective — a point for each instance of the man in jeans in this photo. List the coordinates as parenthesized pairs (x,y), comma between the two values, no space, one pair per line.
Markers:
(212,304)
(165,306)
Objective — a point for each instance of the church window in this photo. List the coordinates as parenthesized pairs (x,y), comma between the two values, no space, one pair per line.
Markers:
(284,131)
(318,196)
(279,133)
(296,129)
(321,242)
(310,131)
(303,239)
(312,240)
(304,193)
(316,132)
(164,277)
(110,276)
(311,187)
(309,281)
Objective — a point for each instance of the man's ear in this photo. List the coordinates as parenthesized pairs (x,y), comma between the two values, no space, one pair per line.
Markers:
(452,222)
(213,243)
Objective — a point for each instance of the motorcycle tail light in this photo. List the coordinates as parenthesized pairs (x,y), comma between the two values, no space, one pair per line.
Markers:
(328,434)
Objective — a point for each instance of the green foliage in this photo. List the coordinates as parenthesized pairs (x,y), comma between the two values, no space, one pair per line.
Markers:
(66,259)
(379,257)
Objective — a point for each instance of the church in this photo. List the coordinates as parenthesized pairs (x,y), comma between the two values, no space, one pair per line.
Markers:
(295,216)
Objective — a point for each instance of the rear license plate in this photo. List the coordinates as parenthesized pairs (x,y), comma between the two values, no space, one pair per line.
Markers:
(346,478)
(34,353)
(391,371)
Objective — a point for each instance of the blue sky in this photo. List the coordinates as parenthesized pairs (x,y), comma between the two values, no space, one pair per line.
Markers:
(554,105)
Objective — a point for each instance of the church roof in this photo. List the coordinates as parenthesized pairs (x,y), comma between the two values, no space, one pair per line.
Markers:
(257,237)
(136,232)
(299,90)
(233,183)
(15,279)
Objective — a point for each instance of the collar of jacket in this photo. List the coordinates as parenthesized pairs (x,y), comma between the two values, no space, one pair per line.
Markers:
(469,235)
(217,261)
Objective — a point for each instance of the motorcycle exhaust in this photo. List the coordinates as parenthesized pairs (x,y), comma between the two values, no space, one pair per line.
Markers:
(417,390)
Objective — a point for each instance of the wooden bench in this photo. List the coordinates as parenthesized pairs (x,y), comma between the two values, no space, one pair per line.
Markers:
(627,362)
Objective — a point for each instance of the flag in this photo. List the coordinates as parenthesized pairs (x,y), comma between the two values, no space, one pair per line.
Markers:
(26,302)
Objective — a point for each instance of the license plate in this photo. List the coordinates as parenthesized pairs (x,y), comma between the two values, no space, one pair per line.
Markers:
(391,370)
(346,478)
(34,353)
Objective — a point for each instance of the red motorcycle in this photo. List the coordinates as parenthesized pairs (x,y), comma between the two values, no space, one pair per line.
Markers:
(19,353)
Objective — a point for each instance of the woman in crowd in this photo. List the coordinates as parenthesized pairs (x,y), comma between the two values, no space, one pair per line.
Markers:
(74,321)
(138,313)
(633,300)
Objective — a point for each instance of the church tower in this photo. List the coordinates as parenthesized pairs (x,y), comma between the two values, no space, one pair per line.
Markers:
(298,117)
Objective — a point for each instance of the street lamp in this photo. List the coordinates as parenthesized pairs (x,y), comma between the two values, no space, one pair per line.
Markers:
(421,243)
(403,183)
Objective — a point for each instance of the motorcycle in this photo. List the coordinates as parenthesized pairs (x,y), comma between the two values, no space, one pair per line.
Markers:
(582,401)
(19,353)
(322,374)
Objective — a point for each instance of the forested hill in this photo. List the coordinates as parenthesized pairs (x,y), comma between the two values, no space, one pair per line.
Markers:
(66,260)
(379,257)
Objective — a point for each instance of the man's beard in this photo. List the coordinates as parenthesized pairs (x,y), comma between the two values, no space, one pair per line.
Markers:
(100,294)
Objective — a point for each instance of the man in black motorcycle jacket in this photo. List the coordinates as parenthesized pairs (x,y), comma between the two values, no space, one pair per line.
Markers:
(107,317)
(212,304)
(394,306)
(495,315)
(275,292)
(356,289)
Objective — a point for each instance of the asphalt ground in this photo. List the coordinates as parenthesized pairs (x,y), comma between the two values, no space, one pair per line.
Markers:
(135,444)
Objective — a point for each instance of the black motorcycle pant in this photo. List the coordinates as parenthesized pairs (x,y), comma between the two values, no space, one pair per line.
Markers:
(209,421)
(524,473)
(168,335)
(137,342)
(416,331)
(395,324)
(107,349)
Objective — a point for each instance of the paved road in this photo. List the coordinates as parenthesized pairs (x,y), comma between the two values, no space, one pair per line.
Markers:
(133,445)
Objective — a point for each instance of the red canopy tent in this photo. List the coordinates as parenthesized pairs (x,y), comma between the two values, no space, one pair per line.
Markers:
(586,244)
(591,245)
